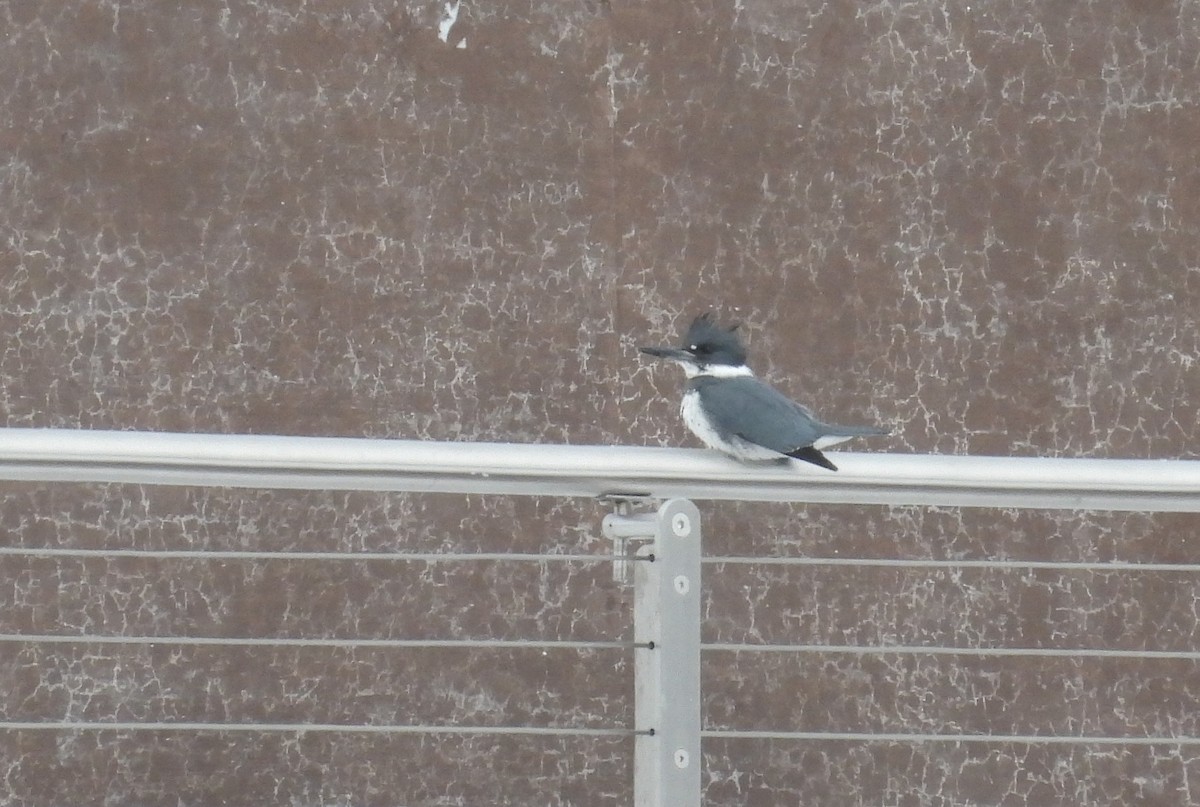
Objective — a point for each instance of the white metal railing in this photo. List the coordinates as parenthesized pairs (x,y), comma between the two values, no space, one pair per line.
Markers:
(660,550)
(558,470)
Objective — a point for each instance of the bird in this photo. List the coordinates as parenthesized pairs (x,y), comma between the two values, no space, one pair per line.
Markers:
(734,412)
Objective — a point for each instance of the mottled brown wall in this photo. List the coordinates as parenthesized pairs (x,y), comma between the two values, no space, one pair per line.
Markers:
(975,222)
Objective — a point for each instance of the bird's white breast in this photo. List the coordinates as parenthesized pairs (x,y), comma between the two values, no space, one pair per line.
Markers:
(693,416)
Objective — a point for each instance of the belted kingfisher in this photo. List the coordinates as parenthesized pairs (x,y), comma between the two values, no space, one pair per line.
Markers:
(732,411)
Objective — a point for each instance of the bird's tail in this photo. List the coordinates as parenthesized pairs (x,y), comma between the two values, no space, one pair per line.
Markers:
(852,431)
(832,435)
(810,454)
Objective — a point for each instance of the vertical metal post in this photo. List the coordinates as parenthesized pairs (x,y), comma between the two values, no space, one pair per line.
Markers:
(667,673)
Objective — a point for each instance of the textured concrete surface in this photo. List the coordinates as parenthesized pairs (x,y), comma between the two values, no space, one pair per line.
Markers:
(974,222)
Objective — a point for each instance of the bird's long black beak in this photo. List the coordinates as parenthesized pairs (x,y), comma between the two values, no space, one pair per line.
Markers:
(666,353)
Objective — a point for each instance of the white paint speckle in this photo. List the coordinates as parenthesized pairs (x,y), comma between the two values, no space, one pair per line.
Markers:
(447,20)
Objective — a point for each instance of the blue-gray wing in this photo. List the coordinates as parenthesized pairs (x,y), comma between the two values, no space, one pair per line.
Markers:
(748,408)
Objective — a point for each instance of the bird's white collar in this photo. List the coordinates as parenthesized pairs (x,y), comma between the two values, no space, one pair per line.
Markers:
(717,371)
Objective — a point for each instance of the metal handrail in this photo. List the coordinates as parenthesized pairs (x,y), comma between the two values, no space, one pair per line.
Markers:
(267,461)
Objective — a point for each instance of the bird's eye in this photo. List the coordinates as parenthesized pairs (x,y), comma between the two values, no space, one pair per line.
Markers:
(693,348)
